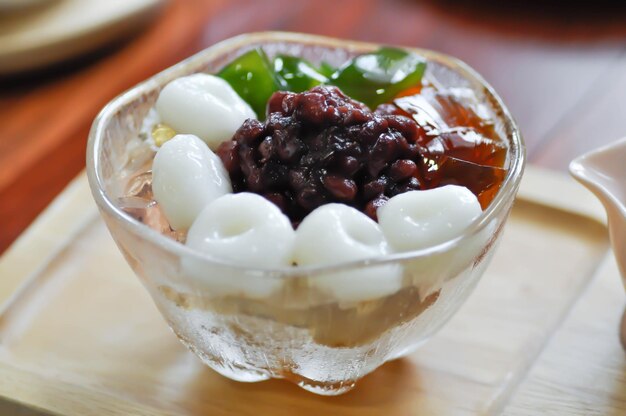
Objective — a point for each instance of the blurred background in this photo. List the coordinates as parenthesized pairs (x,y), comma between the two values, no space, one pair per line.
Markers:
(560,67)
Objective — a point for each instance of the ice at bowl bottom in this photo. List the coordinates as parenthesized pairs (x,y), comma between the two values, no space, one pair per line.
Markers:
(251,348)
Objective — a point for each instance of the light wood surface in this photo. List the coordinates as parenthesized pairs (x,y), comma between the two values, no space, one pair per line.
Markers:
(582,371)
(80,336)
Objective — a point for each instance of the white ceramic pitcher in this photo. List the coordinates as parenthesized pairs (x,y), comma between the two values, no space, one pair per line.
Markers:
(603,172)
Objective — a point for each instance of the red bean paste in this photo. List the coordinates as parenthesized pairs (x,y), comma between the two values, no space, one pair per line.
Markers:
(320,146)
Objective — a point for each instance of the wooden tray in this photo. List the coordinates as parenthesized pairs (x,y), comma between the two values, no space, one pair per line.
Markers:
(80,336)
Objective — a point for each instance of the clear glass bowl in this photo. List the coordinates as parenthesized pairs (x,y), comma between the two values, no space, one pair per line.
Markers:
(253,324)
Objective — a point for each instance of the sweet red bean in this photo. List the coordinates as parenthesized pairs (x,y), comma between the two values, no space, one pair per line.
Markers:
(320,146)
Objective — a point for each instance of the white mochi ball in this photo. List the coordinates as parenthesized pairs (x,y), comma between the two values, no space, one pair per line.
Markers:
(186,177)
(244,229)
(203,105)
(336,233)
(418,219)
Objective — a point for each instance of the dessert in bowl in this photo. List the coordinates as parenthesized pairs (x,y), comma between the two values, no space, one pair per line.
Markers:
(306,208)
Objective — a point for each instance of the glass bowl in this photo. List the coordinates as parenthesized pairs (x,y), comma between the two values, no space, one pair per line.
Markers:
(254,324)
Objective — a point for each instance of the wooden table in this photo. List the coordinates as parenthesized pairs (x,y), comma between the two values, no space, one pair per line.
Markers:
(562,74)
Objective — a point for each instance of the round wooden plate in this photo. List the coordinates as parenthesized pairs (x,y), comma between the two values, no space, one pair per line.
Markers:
(56,30)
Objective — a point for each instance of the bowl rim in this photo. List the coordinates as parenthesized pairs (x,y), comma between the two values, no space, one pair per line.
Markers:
(505,194)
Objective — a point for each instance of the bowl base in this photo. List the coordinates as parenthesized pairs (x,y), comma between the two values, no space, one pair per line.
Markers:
(320,387)
(229,370)
(248,374)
